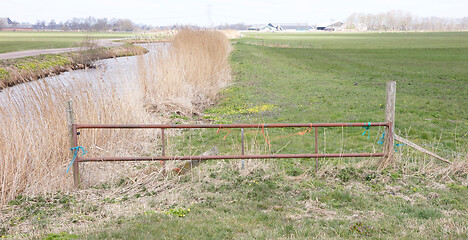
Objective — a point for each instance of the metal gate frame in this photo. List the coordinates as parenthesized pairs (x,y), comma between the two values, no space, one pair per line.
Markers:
(163,157)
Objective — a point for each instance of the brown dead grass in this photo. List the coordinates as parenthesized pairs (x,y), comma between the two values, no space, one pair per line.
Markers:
(231,34)
(187,74)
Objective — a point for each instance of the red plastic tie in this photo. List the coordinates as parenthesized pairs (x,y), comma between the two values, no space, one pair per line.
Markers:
(228,131)
(263,132)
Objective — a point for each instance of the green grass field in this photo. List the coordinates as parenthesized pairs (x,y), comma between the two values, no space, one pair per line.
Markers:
(338,40)
(19,41)
(343,79)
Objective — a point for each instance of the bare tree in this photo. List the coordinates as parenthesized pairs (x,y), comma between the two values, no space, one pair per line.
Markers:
(464,23)
(40,25)
(126,25)
(101,25)
(398,20)
(52,25)
(88,23)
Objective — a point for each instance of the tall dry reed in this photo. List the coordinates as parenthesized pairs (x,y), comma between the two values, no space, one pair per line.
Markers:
(188,73)
(34,141)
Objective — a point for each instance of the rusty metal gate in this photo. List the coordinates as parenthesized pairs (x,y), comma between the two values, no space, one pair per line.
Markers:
(79,159)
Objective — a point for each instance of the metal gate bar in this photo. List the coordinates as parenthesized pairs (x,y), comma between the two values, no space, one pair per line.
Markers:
(218,157)
(266,125)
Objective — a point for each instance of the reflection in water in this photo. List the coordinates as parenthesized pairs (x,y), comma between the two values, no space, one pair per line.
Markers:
(120,73)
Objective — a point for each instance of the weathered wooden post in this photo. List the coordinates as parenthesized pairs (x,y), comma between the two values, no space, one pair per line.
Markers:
(73,142)
(390,117)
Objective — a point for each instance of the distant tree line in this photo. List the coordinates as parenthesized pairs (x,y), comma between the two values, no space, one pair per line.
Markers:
(103,24)
(237,26)
(398,20)
(89,24)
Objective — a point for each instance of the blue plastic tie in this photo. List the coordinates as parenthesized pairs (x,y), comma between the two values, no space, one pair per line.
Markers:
(366,129)
(397,145)
(75,154)
(381,139)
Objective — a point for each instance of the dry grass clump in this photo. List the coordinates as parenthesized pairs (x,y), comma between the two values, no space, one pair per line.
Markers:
(414,163)
(231,34)
(188,73)
(153,36)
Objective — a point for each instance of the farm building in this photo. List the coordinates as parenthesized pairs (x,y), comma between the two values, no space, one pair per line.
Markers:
(265,28)
(255,27)
(337,26)
(280,27)
(5,21)
(294,27)
(7,24)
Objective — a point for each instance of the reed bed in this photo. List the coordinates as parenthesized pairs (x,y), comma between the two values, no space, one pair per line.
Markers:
(34,141)
(231,34)
(188,73)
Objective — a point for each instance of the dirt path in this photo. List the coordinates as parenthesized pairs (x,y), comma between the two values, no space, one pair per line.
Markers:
(28,53)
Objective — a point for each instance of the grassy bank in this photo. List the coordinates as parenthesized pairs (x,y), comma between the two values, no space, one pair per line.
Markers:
(20,70)
(263,201)
(268,203)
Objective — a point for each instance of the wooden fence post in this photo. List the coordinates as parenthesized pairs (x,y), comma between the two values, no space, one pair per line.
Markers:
(71,121)
(390,117)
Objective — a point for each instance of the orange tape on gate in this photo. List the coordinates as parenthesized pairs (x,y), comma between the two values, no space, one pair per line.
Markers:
(309,129)
(263,132)
(302,133)
(228,131)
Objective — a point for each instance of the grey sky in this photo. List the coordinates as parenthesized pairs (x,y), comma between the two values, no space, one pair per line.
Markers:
(156,12)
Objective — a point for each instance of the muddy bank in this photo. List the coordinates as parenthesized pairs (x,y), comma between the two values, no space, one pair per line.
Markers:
(21,70)
(141,41)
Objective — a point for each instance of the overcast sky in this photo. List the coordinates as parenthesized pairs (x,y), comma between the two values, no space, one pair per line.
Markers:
(212,12)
